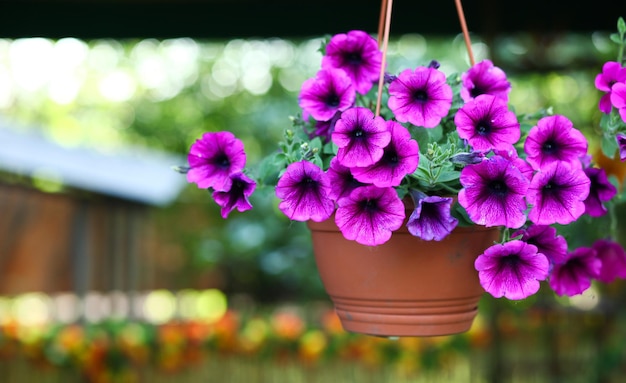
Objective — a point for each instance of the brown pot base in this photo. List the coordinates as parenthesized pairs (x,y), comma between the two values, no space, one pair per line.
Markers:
(405,287)
(407,318)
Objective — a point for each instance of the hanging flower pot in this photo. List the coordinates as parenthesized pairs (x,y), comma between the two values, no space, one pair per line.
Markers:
(367,136)
(406,286)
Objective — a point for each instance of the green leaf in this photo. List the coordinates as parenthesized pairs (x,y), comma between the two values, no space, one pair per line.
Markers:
(330,148)
(609,146)
(448,176)
(315,144)
(615,38)
(269,169)
(621,26)
(421,136)
(460,214)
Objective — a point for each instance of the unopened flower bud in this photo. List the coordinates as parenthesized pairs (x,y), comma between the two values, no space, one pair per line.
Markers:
(468,158)
(434,64)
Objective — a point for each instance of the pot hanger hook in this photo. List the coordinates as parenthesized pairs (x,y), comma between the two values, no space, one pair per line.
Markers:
(384,25)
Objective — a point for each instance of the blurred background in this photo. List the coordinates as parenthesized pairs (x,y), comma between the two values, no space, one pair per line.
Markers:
(114,269)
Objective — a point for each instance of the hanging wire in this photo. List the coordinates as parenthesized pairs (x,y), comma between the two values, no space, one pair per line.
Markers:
(381,21)
(386,10)
(384,25)
(468,43)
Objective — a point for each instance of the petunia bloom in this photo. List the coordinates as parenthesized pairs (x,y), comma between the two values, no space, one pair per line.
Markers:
(554,138)
(547,240)
(618,99)
(213,158)
(612,73)
(487,123)
(329,92)
(342,182)
(574,276)
(613,258)
(493,193)
(421,97)
(512,270)
(360,137)
(601,190)
(557,194)
(303,190)
(484,78)
(400,157)
(518,162)
(357,54)
(324,129)
(370,214)
(620,138)
(237,196)
(431,219)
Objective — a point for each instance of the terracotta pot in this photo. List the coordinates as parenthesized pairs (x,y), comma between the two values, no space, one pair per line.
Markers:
(405,287)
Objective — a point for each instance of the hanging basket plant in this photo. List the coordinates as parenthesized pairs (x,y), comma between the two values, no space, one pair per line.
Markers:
(398,171)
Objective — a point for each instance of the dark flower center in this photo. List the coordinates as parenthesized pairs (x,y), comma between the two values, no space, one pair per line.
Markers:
(549,147)
(430,210)
(332,100)
(420,95)
(510,261)
(483,128)
(369,205)
(498,188)
(353,58)
(358,133)
(477,91)
(222,161)
(390,156)
(236,190)
(550,188)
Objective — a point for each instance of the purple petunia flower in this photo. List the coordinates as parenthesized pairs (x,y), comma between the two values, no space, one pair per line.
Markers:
(554,138)
(303,190)
(512,269)
(547,240)
(329,92)
(213,158)
(601,190)
(612,72)
(556,194)
(370,214)
(574,276)
(493,193)
(400,158)
(421,97)
(342,182)
(431,219)
(324,129)
(518,162)
(237,196)
(484,78)
(360,137)
(487,123)
(620,138)
(618,99)
(613,258)
(357,54)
